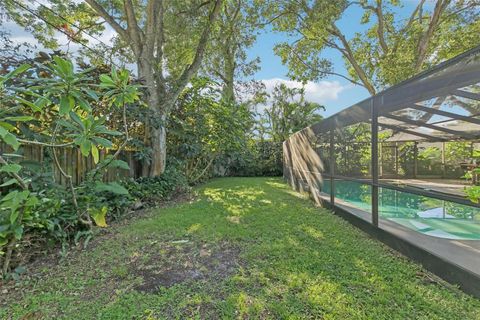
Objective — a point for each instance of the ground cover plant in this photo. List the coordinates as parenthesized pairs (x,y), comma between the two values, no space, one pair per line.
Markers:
(244,248)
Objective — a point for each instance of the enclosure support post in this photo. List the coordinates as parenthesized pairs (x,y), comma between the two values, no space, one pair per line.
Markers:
(415,159)
(443,161)
(374,162)
(332,168)
(381,161)
(396,160)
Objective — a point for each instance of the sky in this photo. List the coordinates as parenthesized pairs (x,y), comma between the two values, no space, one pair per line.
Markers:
(334,93)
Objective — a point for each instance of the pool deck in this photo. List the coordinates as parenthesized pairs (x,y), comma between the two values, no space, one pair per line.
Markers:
(450,186)
(463,253)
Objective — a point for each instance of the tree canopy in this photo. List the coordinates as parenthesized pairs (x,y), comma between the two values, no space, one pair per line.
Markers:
(389,50)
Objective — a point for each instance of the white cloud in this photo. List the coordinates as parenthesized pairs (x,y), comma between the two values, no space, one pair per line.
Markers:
(320,92)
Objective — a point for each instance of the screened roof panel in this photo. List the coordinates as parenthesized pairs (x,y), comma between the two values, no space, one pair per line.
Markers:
(442,103)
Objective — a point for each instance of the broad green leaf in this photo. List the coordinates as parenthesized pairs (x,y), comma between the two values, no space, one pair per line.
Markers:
(64,66)
(18,232)
(110,132)
(84,104)
(32,201)
(99,215)
(92,94)
(33,106)
(3,241)
(20,118)
(66,104)
(19,70)
(14,216)
(103,142)
(85,147)
(12,155)
(8,183)
(11,168)
(3,132)
(77,120)
(112,187)
(106,81)
(6,125)
(10,195)
(11,140)
(119,164)
(67,125)
(95,154)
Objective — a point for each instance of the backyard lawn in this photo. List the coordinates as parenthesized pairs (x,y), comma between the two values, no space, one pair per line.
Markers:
(247,248)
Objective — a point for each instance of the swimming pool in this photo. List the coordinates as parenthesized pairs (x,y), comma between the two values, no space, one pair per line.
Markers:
(433,217)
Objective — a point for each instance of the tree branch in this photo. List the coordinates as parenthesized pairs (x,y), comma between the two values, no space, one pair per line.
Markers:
(424,41)
(381,27)
(133,29)
(202,44)
(348,54)
(109,19)
(407,25)
(159,31)
(150,26)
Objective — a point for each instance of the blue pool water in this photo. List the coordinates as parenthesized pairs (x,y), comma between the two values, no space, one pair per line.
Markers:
(429,216)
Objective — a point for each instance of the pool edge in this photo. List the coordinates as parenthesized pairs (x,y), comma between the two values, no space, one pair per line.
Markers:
(450,272)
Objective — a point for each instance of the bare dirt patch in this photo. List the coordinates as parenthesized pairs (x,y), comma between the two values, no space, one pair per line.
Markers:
(183,262)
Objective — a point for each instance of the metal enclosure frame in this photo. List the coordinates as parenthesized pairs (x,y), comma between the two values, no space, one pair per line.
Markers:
(304,169)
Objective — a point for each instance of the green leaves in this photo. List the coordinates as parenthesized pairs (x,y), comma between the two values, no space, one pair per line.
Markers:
(119,90)
(11,168)
(86,133)
(67,103)
(62,67)
(85,147)
(9,138)
(14,207)
(19,118)
(52,106)
(21,69)
(119,164)
(95,153)
(112,187)
(99,216)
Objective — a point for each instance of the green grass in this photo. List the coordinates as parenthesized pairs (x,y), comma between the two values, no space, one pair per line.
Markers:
(247,248)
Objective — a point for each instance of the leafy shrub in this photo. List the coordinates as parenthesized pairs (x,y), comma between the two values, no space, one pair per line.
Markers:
(155,189)
(261,158)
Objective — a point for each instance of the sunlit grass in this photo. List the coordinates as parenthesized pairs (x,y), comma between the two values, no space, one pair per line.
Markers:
(294,261)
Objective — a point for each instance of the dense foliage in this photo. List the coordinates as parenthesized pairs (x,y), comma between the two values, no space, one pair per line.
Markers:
(205,127)
(97,113)
(62,110)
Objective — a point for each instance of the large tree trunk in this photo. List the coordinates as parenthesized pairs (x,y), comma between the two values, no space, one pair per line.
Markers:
(155,131)
(229,79)
(159,150)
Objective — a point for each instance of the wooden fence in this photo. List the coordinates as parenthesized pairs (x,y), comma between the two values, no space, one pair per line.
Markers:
(73,162)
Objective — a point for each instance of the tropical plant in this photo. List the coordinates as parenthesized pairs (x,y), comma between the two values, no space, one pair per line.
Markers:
(289,112)
(51,106)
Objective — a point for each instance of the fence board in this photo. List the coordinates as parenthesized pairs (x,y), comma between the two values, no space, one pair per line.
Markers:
(74,163)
